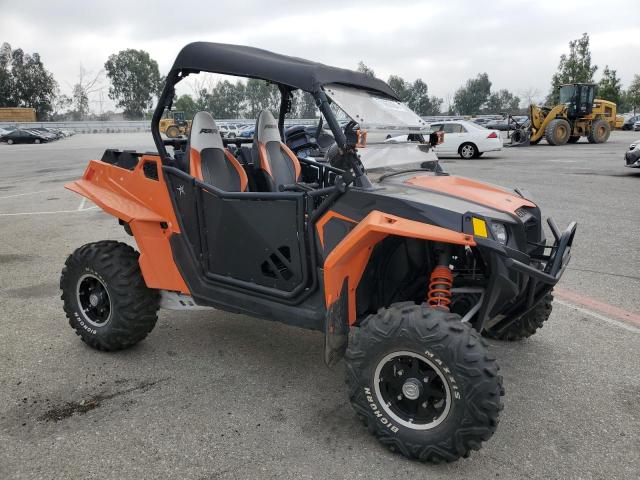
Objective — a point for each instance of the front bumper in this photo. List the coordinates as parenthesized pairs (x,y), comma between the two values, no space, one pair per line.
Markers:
(519,281)
(557,259)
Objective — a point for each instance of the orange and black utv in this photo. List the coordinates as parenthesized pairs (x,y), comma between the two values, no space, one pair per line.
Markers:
(402,266)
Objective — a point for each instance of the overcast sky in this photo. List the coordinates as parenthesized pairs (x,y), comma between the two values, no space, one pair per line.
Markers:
(518,43)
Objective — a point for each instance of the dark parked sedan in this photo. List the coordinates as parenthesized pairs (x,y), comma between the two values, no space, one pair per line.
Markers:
(629,122)
(511,123)
(24,136)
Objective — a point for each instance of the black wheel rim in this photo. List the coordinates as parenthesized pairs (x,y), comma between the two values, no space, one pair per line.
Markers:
(413,390)
(94,301)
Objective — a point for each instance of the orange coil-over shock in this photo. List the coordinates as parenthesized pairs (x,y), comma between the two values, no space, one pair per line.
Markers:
(440,284)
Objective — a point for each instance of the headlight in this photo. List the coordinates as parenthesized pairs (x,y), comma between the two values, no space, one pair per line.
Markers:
(500,232)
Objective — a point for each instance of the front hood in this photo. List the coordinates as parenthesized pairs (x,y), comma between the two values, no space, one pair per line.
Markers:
(484,194)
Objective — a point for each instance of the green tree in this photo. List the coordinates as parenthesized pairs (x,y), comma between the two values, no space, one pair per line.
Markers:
(470,99)
(32,85)
(573,68)
(304,105)
(259,95)
(419,100)
(610,86)
(134,80)
(633,94)
(225,100)
(400,86)
(6,80)
(80,102)
(186,103)
(502,101)
(362,68)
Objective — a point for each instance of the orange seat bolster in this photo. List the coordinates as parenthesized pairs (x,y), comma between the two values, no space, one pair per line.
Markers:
(195,166)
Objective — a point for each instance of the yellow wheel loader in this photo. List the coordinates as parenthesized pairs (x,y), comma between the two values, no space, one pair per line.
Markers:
(579,114)
(174,125)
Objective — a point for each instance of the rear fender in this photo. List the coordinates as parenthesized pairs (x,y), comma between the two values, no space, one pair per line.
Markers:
(348,260)
(143,202)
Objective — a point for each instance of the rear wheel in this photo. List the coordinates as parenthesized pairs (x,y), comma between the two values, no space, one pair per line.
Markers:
(600,131)
(468,151)
(423,382)
(105,297)
(37,140)
(574,139)
(557,132)
(526,325)
(173,132)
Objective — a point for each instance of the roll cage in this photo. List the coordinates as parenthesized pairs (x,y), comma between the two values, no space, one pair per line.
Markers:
(288,73)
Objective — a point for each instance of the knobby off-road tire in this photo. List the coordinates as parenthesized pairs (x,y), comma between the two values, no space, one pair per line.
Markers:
(600,131)
(461,386)
(526,325)
(105,297)
(557,132)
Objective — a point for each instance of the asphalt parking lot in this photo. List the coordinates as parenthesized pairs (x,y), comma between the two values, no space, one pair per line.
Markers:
(214,395)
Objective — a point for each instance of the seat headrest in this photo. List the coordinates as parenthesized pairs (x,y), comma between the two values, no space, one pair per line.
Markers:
(204,133)
(266,128)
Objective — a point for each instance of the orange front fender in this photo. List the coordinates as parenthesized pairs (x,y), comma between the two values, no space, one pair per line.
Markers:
(350,257)
(144,204)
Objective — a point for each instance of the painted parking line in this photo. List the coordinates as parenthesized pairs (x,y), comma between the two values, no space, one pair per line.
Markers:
(54,212)
(29,193)
(603,311)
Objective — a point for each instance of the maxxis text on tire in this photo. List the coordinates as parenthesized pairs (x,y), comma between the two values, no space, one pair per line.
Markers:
(125,309)
(557,132)
(526,325)
(467,371)
(599,132)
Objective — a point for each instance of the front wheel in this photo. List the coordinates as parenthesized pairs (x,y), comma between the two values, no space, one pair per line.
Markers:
(423,382)
(468,151)
(10,142)
(105,297)
(526,325)
(557,132)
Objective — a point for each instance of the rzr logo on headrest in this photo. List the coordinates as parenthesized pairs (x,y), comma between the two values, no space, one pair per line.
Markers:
(208,130)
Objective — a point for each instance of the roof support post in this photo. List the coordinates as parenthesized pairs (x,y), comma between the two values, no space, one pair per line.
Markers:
(285,107)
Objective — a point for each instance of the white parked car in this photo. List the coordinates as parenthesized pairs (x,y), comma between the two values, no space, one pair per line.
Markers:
(636,127)
(467,139)
(229,130)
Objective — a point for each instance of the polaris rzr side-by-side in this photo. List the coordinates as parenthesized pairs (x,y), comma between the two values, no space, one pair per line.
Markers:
(402,266)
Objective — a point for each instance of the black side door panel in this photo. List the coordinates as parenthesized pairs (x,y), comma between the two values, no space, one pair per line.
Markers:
(253,241)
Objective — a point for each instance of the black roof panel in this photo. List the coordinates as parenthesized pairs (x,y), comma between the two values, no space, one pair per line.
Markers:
(257,63)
